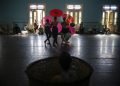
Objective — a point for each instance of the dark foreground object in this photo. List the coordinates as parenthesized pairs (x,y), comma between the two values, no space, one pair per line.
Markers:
(48,72)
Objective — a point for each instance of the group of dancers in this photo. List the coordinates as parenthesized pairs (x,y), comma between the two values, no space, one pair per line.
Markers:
(51,30)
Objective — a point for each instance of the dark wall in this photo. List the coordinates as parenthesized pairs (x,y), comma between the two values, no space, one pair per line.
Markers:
(18,10)
(118,23)
(15,10)
(0,11)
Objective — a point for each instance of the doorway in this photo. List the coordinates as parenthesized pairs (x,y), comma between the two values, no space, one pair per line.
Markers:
(109,17)
(36,14)
(75,12)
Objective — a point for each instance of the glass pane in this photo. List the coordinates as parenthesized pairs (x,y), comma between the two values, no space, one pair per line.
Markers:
(71,13)
(30,17)
(106,18)
(103,18)
(113,7)
(43,13)
(40,6)
(35,16)
(80,17)
(115,20)
(76,17)
(106,7)
(111,18)
(110,7)
(75,12)
(30,14)
(33,7)
(67,12)
(70,7)
(39,16)
(77,7)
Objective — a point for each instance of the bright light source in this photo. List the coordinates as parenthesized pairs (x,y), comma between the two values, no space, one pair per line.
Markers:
(70,7)
(37,7)
(40,6)
(77,7)
(110,7)
(113,7)
(33,7)
(106,7)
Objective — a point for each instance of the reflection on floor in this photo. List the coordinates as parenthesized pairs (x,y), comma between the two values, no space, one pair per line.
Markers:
(101,51)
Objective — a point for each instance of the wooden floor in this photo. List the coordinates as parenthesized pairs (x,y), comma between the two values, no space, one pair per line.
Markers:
(100,51)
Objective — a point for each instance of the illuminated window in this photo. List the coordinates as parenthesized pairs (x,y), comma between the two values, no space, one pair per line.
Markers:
(103,18)
(106,7)
(30,17)
(115,20)
(74,7)
(35,16)
(40,6)
(76,19)
(110,7)
(67,12)
(75,12)
(77,7)
(37,12)
(71,13)
(109,16)
(70,7)
(43,13)
(37,7)
(80,15)
(113,7)
(33,6)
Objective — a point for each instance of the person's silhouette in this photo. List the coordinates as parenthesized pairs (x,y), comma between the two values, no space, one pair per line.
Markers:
(65,61)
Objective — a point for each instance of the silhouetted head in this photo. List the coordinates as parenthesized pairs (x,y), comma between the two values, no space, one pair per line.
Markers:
(64,18)
(72,24)
(47,20)
(65,60)
(55,18)
(105,26)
